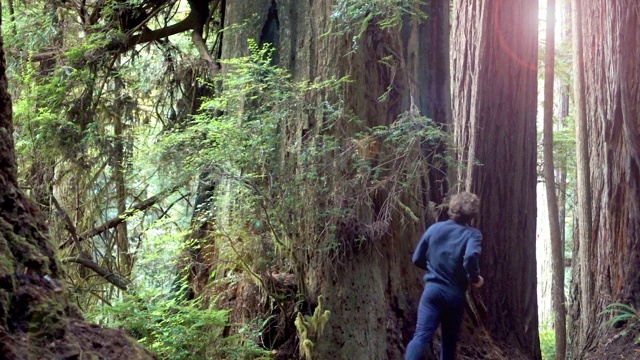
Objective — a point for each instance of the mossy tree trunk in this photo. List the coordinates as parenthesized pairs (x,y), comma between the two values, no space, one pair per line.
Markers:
(36,318)
(494,68)
(606,262)
(369,284)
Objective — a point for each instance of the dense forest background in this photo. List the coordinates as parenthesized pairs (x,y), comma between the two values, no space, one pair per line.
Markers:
(233,179)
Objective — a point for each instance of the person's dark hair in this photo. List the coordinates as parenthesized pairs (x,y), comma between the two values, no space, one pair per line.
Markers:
(463,207)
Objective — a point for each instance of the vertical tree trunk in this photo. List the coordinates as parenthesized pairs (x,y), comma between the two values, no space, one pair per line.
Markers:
(557,251)
(198,259)
(41,171)
(12,16)
(565,91)
(122,239)
(608,256)
(36,318)
(543,261)
(582,288)
(373,293)
(494,67)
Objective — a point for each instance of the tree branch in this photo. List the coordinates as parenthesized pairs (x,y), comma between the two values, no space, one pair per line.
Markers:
(141,206)
(116,279)
(71,228)
(191,22)
(200,44)
(146,36)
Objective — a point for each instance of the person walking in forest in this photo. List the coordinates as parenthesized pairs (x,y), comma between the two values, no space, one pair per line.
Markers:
(449,251)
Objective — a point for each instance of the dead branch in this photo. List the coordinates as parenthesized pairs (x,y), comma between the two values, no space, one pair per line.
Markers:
(116,279)
(71,228)
(141,206)
(200,44)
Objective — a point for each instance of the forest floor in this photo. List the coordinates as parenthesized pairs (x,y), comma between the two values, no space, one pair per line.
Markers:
(621,345)
(42,325)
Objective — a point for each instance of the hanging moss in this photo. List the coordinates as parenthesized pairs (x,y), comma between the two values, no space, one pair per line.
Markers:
(310,328)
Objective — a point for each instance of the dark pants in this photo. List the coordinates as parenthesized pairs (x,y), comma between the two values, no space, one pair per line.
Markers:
(439,305)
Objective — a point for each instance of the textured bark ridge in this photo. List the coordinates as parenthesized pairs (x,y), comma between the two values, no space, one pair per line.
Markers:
(36,319)
(610,258)
(494,82)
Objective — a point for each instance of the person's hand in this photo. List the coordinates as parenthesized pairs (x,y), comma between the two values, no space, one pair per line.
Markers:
(478,283)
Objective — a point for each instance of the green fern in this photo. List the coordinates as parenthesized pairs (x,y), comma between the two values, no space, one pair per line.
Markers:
(625,315)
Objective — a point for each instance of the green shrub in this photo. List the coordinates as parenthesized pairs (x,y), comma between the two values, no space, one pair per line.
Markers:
(548,343)
(178,330)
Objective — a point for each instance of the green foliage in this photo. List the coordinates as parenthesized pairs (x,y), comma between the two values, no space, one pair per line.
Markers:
(158,255)
(564,159)
(67,106)
(548,343)
(240,138)
(411,146)
(624,316)
(239,127)
(90,49)
(39,113)
(564,144)
(35,16)
(177,330)
(355,16)
(269,162)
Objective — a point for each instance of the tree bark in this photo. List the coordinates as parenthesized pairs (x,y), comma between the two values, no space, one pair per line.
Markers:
(494,67)
(36,317)
(125,260)
(372,292)
(582,287)
(557,251)
(607,260)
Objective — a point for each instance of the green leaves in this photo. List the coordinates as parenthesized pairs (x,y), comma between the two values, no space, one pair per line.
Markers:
(237,128)
(548,343)
(177,330)
(355,16)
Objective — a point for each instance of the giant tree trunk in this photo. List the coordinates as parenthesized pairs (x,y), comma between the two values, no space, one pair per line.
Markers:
(494,67)
(608,258)
(36,318)
(371,289)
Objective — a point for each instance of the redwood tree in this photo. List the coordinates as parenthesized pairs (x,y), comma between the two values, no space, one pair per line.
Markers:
(607,261)
(494,84)
(369,284)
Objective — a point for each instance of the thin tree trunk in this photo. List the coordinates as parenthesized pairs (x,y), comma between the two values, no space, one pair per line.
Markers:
(557,263)
(12,17)
(122,239)
(561,171)
(581,264)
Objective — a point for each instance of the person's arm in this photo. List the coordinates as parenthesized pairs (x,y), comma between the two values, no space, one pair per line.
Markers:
(419,258)
(471,257)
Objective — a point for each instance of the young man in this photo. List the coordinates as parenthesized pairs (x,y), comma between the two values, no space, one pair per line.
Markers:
(449,251)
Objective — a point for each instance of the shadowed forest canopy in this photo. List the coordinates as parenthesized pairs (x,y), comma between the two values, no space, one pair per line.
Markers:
(248,179)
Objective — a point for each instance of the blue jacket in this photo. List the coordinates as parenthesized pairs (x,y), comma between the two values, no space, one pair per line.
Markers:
(449,252)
